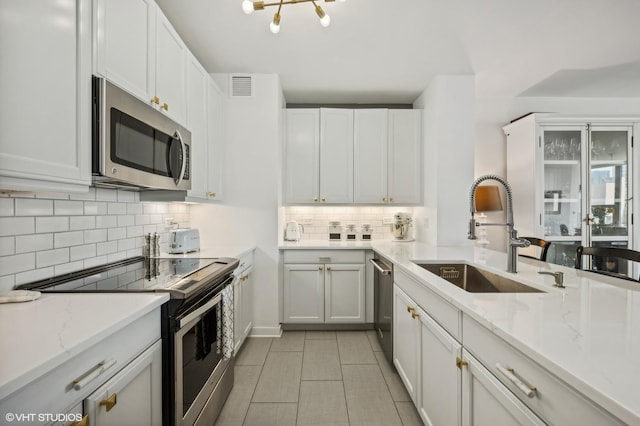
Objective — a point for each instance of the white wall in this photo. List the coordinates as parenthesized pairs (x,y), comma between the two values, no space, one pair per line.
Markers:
(448,105)
(250,213)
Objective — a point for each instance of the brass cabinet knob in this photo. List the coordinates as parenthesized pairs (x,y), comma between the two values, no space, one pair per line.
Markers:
(384,199)
(324,199)
(409,309)
(110,402)
(155,100)
(391,200)
(165,106)
(315,199)
(414,315)
(83,422)
(328,268)
(320,268)
(211,194)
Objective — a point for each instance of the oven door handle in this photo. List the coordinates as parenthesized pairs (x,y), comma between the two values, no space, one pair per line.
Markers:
(201,310)
(382,270)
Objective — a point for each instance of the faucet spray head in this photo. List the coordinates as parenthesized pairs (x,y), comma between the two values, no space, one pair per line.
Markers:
(472,229)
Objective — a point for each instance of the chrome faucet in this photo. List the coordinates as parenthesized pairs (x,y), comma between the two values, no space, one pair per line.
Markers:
(513,241)
(557,276)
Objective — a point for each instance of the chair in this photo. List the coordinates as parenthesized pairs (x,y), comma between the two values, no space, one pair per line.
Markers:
(537,242)
(611,261)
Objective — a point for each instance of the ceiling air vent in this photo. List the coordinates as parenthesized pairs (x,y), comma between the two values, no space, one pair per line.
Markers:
(241,86)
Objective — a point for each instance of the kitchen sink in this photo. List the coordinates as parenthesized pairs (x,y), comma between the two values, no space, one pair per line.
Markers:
(475,280)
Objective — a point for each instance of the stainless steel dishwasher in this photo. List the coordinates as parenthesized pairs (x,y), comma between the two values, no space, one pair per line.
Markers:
(383,304)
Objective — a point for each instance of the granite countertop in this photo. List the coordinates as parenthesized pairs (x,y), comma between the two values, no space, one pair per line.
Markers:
(587,334)
(38,336)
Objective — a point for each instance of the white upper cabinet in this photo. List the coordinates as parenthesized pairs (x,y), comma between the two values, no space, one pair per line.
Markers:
(197,121)
(302,156)
(345,156)
(336,156)
(405,156)
(137,48)
(45,117)
(370,156)
(215,146)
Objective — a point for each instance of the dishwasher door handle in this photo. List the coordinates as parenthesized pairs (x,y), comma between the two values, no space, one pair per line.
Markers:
(381,269)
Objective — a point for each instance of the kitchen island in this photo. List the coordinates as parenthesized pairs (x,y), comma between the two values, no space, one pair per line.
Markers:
(586,334)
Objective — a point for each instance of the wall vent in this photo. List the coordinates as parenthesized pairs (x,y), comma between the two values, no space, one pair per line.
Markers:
(241,86)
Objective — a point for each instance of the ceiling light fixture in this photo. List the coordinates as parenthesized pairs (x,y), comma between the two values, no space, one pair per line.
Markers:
(248,6)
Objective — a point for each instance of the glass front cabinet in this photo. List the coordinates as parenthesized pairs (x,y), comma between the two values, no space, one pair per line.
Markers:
(572,181)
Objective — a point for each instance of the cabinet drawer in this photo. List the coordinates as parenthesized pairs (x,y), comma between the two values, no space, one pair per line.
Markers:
(54,392)
(442,311)
(324,256)
(246,260)
(553,400)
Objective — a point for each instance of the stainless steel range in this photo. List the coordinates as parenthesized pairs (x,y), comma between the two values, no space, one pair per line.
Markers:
(197,325)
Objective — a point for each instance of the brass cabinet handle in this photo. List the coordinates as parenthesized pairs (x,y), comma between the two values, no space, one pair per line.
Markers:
(211,194)
(315,199)
(155,100)
(165,106)
(83,422)
(414,315)
(461,363)
(110,402)
(391,200)
(384,199)
(328,268)
(510,373)
(324,199)
(409,309)
(320,268)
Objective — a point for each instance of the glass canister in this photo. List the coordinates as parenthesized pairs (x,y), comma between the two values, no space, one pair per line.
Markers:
(335,231)
(365,233)
(351,234)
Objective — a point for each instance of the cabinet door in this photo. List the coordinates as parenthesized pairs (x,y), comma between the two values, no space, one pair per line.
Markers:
(215,147)
(336,156)
(45,116)
(124,37)
(132,396)
(344,293)
(197,122)
(440,381)
(303,293)
(370,156)
(171,56)
(486,401)
(405,156)
(302,156)
(247,302)
(406,341)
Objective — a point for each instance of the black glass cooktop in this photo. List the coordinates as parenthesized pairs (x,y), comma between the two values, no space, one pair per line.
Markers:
(138,274)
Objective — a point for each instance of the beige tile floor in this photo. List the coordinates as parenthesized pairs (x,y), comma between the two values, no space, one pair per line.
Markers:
(316,378)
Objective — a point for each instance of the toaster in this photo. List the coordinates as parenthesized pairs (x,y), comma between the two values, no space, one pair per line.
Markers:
(184,240)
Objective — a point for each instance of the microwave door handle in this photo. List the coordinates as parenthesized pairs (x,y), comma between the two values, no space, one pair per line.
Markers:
(183,147)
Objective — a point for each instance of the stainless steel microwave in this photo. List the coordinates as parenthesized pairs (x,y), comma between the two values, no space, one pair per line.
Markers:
(135,146)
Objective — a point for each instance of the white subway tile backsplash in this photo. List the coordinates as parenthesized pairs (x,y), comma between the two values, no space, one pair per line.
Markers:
(7,246)
(95,207)
(51,234)
(117,208)
(116,233)
(81,222)
(17,263)
(68,239)
(52,257)
(7,206)
(34,275)
(33,243)
(95,236)
(16,226)
(52,224)
(103,194)
(82,252)
(33,207)
(68,208)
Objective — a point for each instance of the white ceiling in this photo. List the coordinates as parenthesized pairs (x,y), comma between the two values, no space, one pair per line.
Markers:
(387,51)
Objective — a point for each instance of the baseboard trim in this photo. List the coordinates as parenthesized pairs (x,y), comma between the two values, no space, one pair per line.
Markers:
(266,331)
(327,327)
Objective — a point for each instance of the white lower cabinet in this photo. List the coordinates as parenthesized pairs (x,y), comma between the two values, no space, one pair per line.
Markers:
(486,401)
(131,397)
(478,378)
(242,301)
(330,290)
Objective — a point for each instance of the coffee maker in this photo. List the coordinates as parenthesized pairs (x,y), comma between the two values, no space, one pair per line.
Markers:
(402,227)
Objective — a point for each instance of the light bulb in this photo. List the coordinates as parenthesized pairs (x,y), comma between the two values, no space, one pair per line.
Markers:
(325,20)
(274,26)
(247,6)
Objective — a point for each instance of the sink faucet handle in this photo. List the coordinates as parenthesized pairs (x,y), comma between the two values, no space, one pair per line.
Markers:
(472,229)
(558,278)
